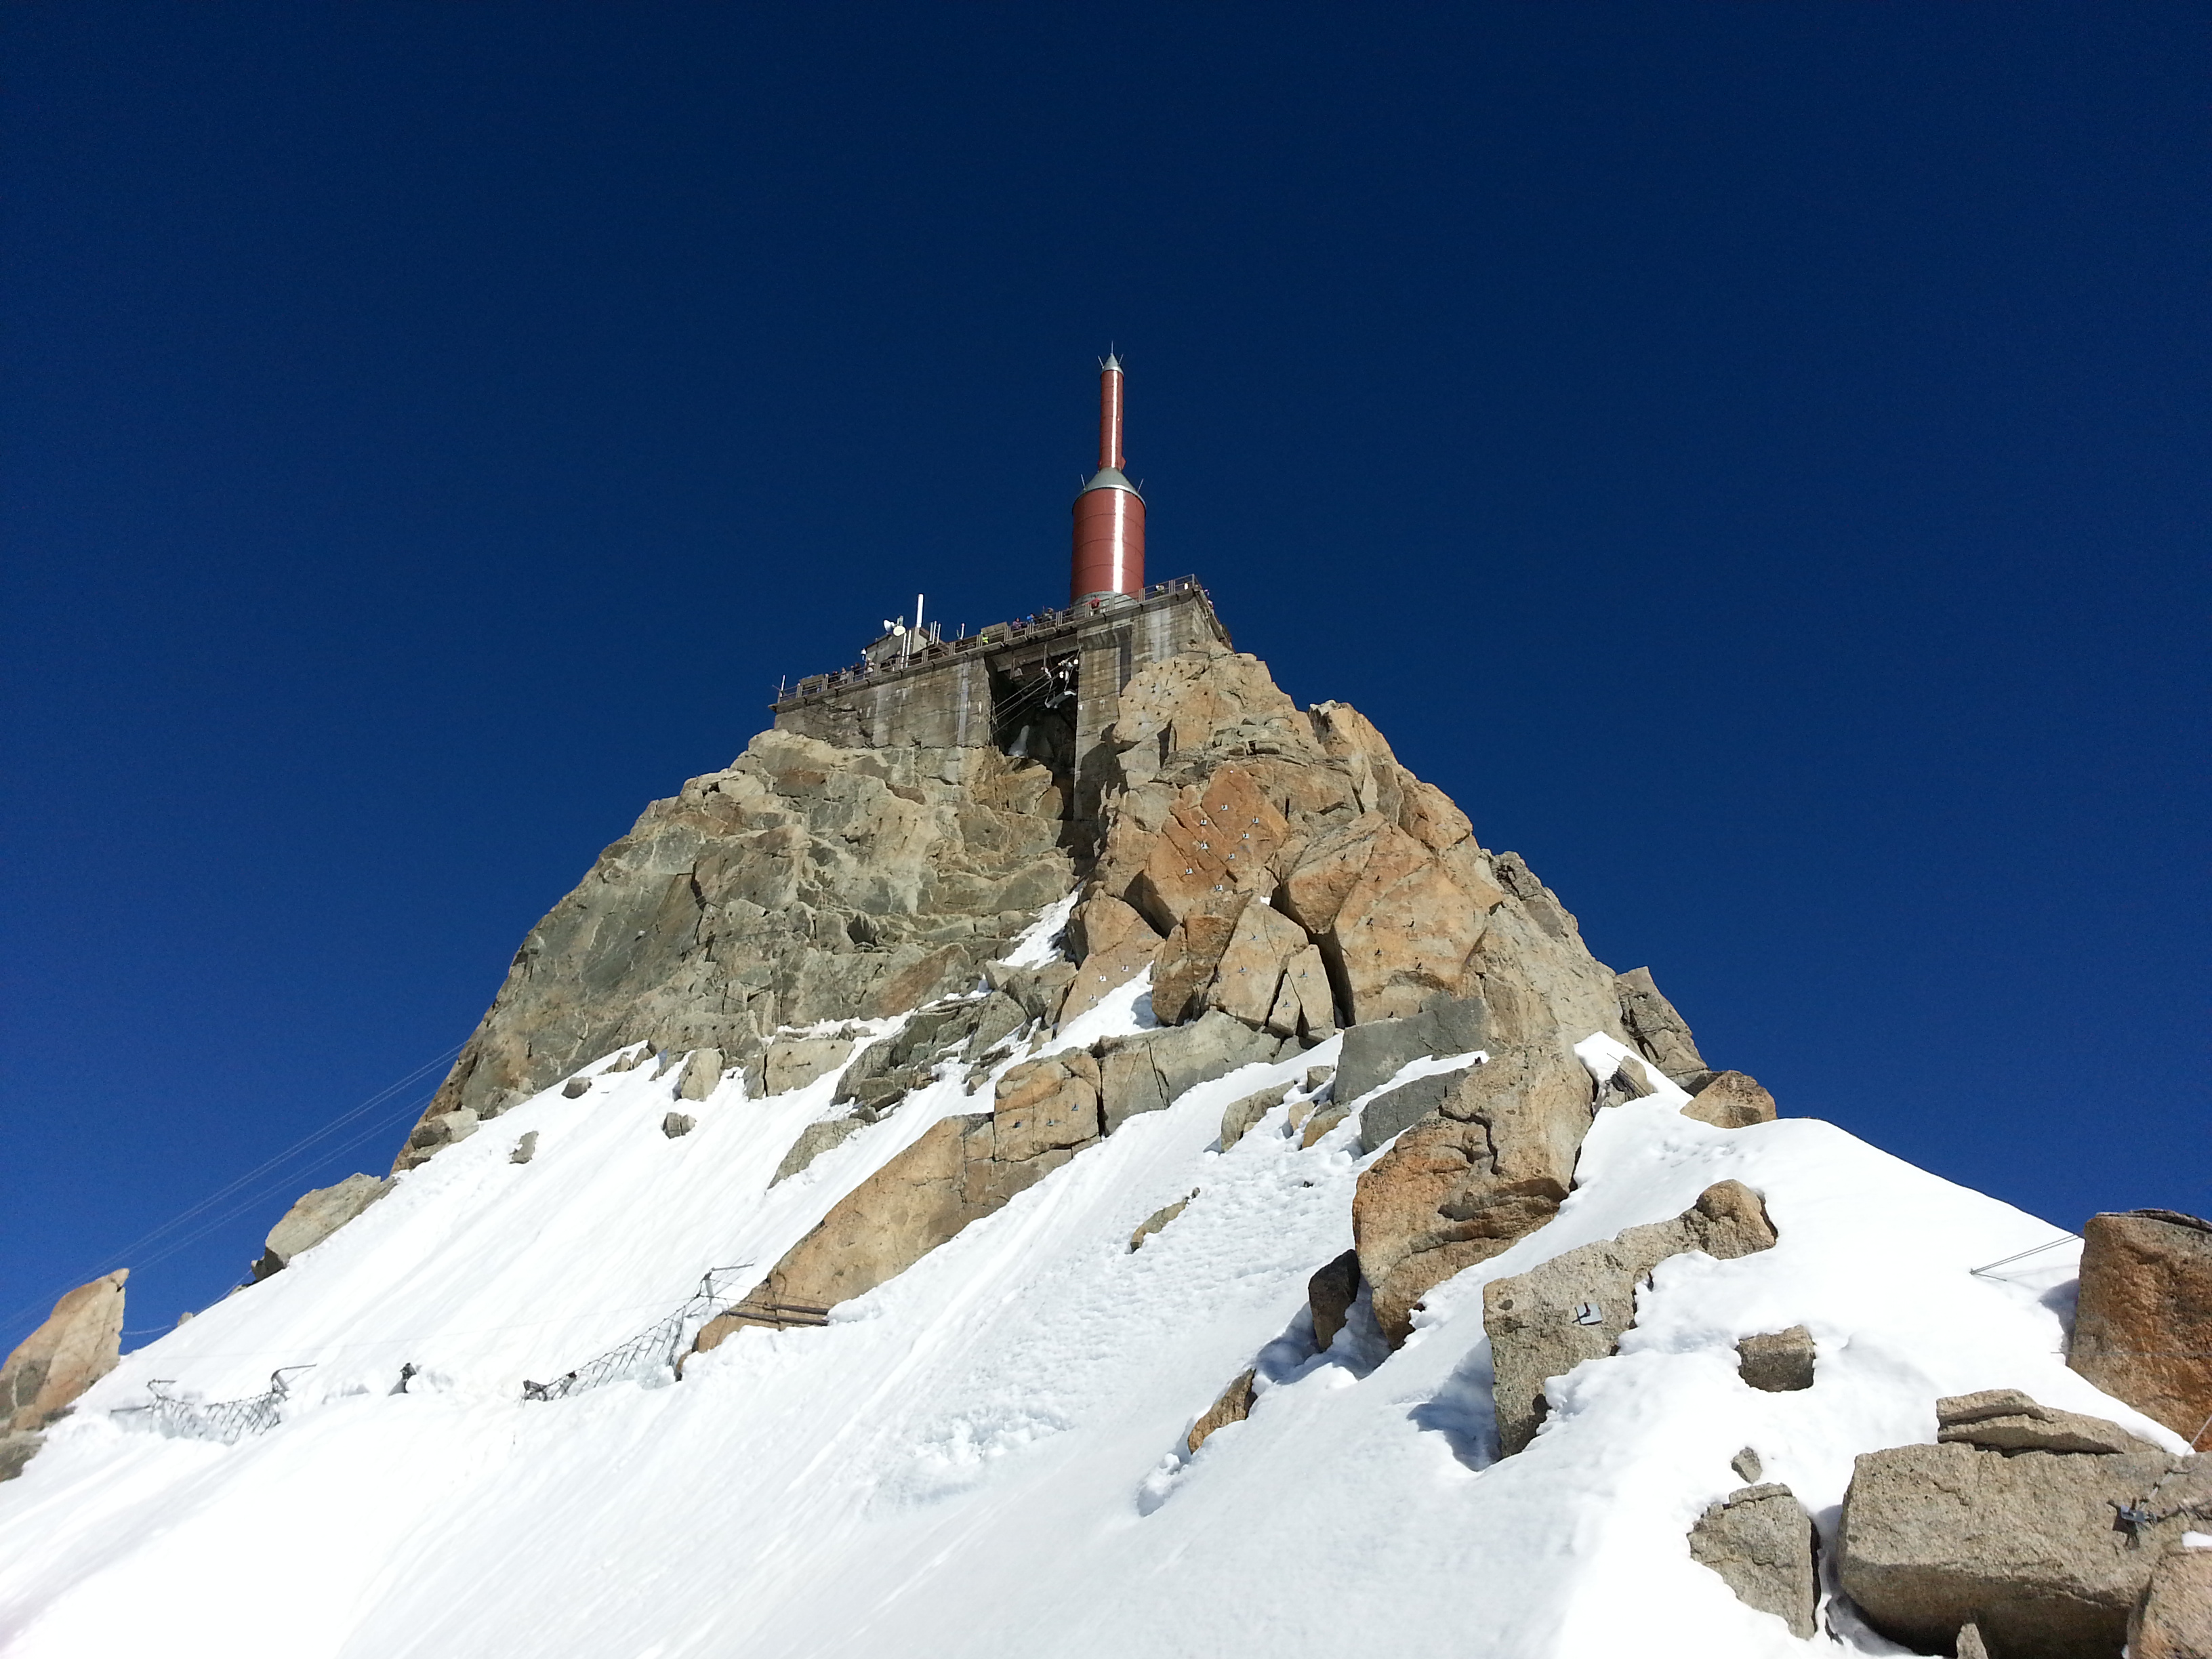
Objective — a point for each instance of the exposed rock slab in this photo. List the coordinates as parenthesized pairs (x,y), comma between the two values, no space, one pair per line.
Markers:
(814,1139)
(1661,1035)
(2142,1328)
(80,1342)
(1761,1542)
(313,1218)
(2174,1620)
(1577,1306)
(2023,1545)
(1145,1073)
(1374,1052)
(2006,1419)
(1492,1163)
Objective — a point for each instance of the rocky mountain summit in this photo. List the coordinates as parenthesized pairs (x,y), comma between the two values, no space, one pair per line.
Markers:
(1201,1150)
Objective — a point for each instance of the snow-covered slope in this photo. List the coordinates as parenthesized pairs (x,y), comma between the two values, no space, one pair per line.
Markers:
(984,1456)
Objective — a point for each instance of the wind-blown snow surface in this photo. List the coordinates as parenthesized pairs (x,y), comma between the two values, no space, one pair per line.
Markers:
(982,1457)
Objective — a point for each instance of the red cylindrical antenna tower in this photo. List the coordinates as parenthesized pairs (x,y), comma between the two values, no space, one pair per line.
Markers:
(1109,513)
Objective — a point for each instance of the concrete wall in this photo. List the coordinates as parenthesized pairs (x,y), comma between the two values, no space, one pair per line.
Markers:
(947,704)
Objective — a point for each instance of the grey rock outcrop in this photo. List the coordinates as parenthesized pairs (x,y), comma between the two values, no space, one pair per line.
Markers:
(1577,1306)
(1234,1405)
(1731,1101)
(1659,1033)
(1373,1053)
(2142,1327)
(2173,1620)
(814,1139)
(1396,1110)
(793,1062)
(805,882)
(314,1217)
(2005,1420)
(2024,1545)
(1762,1543)
(1777,1362)
(80,1342)
(1148,1072)
(1490,1166)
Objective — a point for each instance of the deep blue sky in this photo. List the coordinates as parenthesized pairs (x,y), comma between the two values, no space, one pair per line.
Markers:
(1756,459)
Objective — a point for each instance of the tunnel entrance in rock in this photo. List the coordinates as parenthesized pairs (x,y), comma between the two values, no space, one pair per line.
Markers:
(1033,710)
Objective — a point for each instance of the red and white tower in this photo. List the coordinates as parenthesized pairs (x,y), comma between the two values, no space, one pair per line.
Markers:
(1109,513)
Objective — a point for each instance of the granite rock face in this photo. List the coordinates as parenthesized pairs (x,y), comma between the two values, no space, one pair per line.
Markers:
(314,1217)
(1274,869)
(2173,1620)
(1761,1542)
(1577,1306)
(1491,1164)
(2142,1328)
(2027,1546)
(81,1342)
(804,884)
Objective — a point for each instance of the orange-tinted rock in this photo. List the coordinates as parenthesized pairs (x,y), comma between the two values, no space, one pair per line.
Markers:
(1190,957)
(1234,1407)
(1731,1101)
(79,1343)
(1245,980)
(1491,1165)
(2142,1327)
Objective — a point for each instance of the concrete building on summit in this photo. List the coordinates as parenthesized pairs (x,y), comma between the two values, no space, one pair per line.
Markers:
(1046,686)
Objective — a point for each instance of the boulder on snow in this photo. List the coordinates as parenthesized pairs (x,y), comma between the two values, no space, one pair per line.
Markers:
(1761,1542)
(1046,1104)
(675,1125)
(1234,1407)
(1330,1293)
(1320,1121)
(2173,1620)
(314,1217)
(1239,1117)
(2034,1547)
(702,1074)
(1777,1362)
(1731,1101)
(80,1342)
(525,1147)
(575,1088)
(1492,1163)
(1575,1308)
(2142,1327)
(2005,1420)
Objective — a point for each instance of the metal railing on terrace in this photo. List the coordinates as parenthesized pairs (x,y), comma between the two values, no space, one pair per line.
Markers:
(1043,624)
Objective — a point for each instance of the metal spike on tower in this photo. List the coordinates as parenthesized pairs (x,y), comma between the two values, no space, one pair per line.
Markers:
(1109,513)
